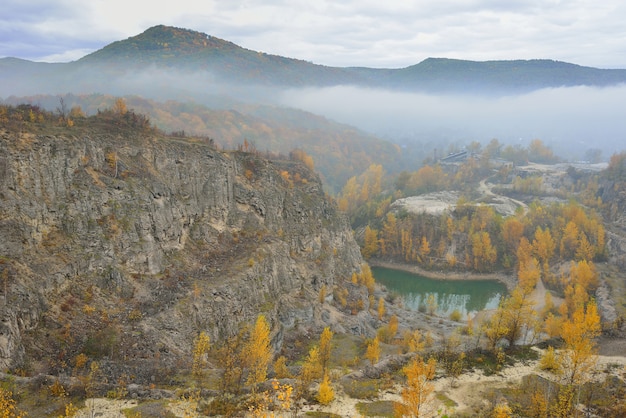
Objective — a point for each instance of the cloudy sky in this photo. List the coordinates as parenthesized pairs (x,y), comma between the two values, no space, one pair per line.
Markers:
(389,33)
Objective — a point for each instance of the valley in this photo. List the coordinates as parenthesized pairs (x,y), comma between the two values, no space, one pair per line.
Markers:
(203,249)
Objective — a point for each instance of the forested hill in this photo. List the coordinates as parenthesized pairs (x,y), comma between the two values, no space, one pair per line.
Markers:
(338,151)
(170,48)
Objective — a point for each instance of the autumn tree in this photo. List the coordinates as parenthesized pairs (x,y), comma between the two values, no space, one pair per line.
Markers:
(77,112)
(417,393)
(325,394)
(585,250)
(229,357)
(372,352)
(119,106)
(8,406)
(569,241)
(524,251)
(366,278)
(311,370)
(483,252)
(495,329)
(300,155)
(390,236)
(512,232)
(424,247)
(325,349)
(543,248)
(538,152)
(280,368)
(576,360)
(502,410)
(392,326)
(579,283)
(258,352)
(578,357)
(528,274)
(413,341)
(518,313)
(381,308)
(201,347)
(370,246)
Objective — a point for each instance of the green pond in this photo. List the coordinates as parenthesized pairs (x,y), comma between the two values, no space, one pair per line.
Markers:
(466,296)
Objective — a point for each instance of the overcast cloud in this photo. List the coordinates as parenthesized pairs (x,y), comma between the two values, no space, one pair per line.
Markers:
(393,33)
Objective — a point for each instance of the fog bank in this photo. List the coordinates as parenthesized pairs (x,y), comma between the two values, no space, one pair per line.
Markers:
(571,120)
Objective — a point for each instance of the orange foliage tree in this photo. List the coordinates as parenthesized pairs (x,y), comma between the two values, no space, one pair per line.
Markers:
(417,394)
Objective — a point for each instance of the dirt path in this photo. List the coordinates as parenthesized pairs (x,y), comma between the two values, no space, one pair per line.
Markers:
(487,190)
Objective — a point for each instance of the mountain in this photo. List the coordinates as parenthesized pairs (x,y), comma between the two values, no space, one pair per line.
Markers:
(174,48)
(339,151)
(122,244)
(168,48)
(442,74)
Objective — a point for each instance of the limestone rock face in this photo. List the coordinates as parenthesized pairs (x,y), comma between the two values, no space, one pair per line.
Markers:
(125,246)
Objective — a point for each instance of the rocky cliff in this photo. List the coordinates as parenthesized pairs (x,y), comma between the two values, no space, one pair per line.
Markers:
(124,245)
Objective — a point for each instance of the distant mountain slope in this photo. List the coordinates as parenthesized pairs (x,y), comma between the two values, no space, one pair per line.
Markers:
(339,151)
(451,74)
(170,48)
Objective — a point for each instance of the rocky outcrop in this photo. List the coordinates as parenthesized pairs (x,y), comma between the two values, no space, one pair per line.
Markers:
(127,245)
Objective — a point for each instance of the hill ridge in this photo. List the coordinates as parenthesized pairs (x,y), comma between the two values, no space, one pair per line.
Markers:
(174,48)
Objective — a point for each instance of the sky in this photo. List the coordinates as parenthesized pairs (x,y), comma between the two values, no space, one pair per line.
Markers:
(380,34)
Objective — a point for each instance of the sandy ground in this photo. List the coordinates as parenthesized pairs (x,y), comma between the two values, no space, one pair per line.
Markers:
(465,391)
(105,408)
(434,203)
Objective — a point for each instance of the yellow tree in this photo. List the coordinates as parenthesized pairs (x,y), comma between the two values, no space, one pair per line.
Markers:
(413,341)
(257,352)
(325,393)
(584,273)
(502,410)
(406,244)
(524,251)
(585,250)
(579,357)
(367,278)
(495,329)
(201,347)
(372,353)
(582,279)
(393,326)
(8,407)
(325,349)
(528,274)
(512,232)
(390,235)
(484,253)
(417,394)
(370,246)
(543,247)
(518,313)
(311,370)
(281,369)
(120,106)
(381,308)
(229,357)
(424,247)
(569,241)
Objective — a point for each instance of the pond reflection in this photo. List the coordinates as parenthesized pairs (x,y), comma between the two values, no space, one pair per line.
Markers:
(466,296)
